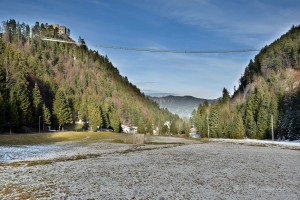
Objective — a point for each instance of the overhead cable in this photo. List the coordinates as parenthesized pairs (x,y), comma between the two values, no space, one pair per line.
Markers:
(175,51)
(156,50)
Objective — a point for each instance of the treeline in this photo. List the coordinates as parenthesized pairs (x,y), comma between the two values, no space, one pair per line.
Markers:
(268,97)
(58,84)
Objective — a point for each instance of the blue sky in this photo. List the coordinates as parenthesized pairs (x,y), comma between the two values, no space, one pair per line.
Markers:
(168,24)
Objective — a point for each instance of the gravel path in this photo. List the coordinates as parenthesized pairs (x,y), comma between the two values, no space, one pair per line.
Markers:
(195,171)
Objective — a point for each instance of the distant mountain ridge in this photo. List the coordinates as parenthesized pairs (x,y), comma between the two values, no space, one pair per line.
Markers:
(181,105)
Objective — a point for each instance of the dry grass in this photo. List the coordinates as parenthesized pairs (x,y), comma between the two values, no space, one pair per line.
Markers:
(15,191)
(45,138)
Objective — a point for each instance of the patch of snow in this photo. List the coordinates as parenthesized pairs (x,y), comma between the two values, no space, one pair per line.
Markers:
(285,143)
(24,152)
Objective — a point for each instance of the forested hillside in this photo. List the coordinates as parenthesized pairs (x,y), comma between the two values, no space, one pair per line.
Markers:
(60,83)
(268,94)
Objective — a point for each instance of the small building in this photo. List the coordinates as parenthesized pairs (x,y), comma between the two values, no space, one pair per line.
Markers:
(129,129)
(55,26)
(168,124)
(193,133)
(125,128)
(62,30)
(156,131)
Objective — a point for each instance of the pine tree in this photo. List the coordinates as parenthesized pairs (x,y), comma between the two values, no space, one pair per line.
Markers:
(224,121)
(201,119)
(61,109)
(249,119)
(37,101)
(115,121)
(164,129)
(104,119)
(21,105)
(173,128)
(25,107)
(2,112)
(94,116)
(262,98)
(149,128)
(46,115)
(294,130)
(262,122)
(237,129)
(141,127)
(14,119)
(214,123)
(226,96)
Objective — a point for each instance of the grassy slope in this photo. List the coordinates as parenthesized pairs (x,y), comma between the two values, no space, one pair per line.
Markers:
(46,138)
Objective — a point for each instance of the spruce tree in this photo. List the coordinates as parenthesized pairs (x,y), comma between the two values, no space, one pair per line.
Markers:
(37,101)
(115,121)
(20,104)
(237,129)
(94,116)
(249,119)
(141,127)
(149,128)
(294,130)
(25,107)
(173,128)
(46,116)
(14,119)
(263,116)
(164,129)
(61,109)
(2,112)
(262,122)
(224,120)
(214,123)
(225,96)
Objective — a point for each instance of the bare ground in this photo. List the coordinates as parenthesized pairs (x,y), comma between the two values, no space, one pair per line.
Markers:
(191,171)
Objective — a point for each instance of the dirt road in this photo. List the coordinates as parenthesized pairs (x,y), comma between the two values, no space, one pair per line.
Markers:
(193,171)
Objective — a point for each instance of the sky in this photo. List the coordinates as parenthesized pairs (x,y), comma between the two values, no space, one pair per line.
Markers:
(168,24)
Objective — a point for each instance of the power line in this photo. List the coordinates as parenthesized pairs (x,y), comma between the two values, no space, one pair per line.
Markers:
(158,50)
(176,51)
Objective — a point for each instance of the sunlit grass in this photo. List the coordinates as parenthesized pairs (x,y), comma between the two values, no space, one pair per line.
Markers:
(46,138)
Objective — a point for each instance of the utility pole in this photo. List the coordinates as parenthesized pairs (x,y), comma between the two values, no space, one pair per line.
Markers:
(272,128)
(207,126)
(39,124)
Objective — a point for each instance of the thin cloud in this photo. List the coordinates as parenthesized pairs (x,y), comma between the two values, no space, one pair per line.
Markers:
(143,83)
(246,22)
(100,2)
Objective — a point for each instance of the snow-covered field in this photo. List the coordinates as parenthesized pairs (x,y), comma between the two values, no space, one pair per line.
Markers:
(217,170)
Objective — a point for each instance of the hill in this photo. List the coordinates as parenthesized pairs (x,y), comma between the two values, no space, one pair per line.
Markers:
(267,102)
(181,105)
(66,85)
